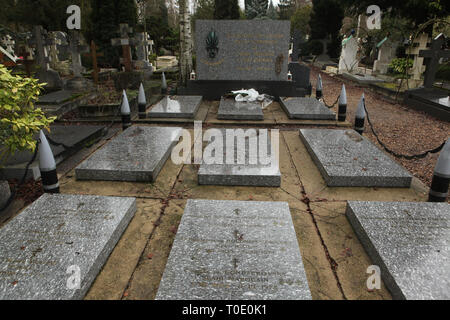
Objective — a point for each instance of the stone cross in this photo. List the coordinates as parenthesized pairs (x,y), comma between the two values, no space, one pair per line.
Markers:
(432,58)
(9,43)
(94,55)
(76,48)
(39,41)
(126,44)
(143,47)
(419,44)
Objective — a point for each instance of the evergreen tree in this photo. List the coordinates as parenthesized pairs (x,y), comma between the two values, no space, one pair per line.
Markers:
(287,8)
(326,22)
(271,11)
(256,9)
(106,17)
(226,10)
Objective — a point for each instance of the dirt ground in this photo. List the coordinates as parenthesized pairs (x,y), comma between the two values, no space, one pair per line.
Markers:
(403,130)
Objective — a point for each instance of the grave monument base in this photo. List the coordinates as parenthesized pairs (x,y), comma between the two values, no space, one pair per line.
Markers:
(427,99)
(215,89)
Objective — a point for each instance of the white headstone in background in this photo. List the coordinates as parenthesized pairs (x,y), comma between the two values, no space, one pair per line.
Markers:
(348,61)
(386,53)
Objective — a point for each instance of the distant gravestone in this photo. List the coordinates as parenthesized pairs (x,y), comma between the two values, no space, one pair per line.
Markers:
(386,52)
(235,250)
(409,242)
(348,61)
(420,43)
(432,58)
(324,57)
(306,108)
(229,109)
(347,159)
(176,107)
(55,248)
(45,74)
(143,48)
(252,172)
(125,42)
(242,49)
(137,154)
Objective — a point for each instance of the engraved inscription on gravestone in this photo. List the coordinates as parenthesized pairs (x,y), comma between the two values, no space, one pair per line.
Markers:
(55,234)
(242,49)
(235,250)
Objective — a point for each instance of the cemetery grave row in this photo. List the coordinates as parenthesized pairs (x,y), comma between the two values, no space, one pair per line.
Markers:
(225,249)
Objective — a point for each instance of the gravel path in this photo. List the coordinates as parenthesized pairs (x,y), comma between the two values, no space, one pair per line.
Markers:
(401,129)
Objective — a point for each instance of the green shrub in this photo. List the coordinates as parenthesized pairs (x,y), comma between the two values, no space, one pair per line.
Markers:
(20,120)
(443,72)
(399,65)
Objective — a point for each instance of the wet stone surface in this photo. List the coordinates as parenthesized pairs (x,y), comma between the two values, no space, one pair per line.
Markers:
(235,250)
(57,238)
(176,107)
(347,159)
(137,154)
(229,109)
(306,108)
(410,242)
(251,168)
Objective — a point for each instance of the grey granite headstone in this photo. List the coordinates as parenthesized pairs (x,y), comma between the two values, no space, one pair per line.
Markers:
(5,192)
(251,173)
(44,247)
(242,49)
(306,108)
(137,154)
(176,107)
(347,159)
(235,250)
(410,242)
(229,109)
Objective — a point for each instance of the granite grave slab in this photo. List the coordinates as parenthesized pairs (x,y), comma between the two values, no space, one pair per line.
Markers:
(235,250)
(229,109)
(56,97)
(251,173)
(57,238)
(242,49)
(306,108)
(71,135)
(176,107)
(410,242)
(137,154)
(347,159)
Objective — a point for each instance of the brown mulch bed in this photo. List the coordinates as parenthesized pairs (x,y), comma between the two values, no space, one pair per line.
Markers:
(403,130)
(30,191)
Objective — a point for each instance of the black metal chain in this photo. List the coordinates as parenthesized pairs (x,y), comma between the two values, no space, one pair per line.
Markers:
(332,105)
(22,181)
(398,155)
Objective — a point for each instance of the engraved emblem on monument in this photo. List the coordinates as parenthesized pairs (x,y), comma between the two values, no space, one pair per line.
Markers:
(212,42)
